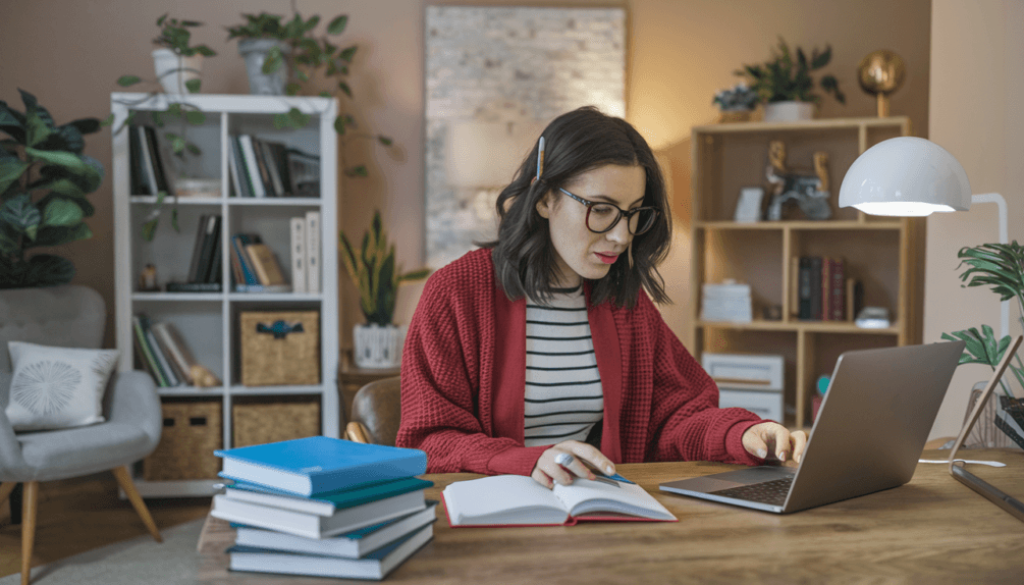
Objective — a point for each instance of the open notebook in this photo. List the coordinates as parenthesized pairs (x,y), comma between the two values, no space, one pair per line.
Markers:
(517,500)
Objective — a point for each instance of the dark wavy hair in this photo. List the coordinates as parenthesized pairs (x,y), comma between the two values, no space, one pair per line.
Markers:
(577,142)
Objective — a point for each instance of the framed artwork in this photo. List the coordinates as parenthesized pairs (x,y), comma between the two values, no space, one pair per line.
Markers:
(495,76)
(748,208)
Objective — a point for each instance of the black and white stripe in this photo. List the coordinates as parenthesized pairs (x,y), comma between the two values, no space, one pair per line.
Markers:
(564,398)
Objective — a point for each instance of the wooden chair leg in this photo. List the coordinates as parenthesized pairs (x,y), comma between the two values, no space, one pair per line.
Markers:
(28,528)
(124,479)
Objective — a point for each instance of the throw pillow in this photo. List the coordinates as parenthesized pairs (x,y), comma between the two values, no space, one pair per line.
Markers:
(57,387)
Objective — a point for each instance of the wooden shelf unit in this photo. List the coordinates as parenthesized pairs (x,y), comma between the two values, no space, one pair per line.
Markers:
(885,254)
(208,322)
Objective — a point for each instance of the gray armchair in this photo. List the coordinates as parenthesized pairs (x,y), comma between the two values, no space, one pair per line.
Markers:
(71,316)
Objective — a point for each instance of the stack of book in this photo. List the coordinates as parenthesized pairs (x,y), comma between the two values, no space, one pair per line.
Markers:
(822,291)
(324,507)
(254,267)
(205,267)
(162,352)
(263,168)
(147,174)
(728,301)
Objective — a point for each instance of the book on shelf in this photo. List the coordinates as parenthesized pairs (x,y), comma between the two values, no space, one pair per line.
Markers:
(804,290)
(210,242)
(374,566)
(259,288)
(314,525)
(158,365)
(313,251)
(826,289)
(241,258)
(815,276)
(303,173)
(325,504)
(315,465)
(837,290)
(297,229)
(174,348)
(354,544)
(147,172)
(145,353)
(156,155)
(252,171)
(518,500)
(193,287)
(268,271)
(267,155)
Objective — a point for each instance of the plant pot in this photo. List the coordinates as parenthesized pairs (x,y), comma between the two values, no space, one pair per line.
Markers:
(1010,419)
(173,70)
(378,347)
(788,111)
(255,51)
(728,116)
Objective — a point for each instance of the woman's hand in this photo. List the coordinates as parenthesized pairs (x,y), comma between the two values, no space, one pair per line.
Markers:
(548,471)
(769,437)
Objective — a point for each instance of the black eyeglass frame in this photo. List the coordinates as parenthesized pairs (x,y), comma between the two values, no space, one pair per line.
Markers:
(622,213)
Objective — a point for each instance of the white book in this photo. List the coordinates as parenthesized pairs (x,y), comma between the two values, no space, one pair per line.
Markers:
(313,251)
(374,566)
(352,545)
(250,164)
(312,525)
(175,350)
(517,499)
(298,231)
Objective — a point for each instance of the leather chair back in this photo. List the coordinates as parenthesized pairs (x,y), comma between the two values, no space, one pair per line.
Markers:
(377,406)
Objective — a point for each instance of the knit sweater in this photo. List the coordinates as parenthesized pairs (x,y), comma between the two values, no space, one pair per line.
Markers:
(463,382)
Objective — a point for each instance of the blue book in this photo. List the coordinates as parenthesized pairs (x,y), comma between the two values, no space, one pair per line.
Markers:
(325,504)
(315,465)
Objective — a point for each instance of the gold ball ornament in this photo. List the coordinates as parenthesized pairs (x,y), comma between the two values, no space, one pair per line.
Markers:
(881,73)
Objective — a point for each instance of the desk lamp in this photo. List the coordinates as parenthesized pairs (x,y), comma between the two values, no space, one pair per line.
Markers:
(914,177)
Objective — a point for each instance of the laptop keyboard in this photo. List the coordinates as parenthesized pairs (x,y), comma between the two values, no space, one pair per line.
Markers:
(768,492)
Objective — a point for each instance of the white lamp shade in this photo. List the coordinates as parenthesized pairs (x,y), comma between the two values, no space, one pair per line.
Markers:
(906,176)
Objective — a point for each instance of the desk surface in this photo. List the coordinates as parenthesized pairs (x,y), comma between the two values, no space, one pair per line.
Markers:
(931,530)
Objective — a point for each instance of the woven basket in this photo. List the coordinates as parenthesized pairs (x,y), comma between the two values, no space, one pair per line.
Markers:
(280,348)
(271,420)
(192,431)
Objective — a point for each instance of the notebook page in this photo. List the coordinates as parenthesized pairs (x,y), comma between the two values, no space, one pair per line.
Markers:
(583,496)
(502,499)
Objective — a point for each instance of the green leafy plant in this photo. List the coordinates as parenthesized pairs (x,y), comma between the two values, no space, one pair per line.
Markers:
(374,273)
(44,180)
(783,78)
(1001,267)
(307,56)
(174,35)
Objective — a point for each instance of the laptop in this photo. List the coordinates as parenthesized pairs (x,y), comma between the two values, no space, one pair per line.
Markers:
(870,431)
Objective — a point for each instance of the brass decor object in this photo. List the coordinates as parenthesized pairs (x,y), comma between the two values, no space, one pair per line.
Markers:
(881,73)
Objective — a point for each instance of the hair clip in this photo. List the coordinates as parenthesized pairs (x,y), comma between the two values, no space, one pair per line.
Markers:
(540,158)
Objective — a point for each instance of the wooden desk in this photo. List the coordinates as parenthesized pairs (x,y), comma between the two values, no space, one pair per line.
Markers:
(932,530)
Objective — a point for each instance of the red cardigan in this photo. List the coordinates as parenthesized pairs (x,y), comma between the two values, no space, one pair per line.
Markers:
(464,371)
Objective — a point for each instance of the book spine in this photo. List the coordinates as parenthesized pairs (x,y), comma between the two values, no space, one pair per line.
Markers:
(194,287)
(249,276)
(838,290)
(147,162)
(815,288)
(141,353)
(206,254)
(135,167)
(174,348)
(826,289)
(161,359)
(197,248)
(236,188)
(148,352)
(805,288)
(298,231)
(282,168)
(275,178)
(261,164)
(216,265)
(261,271)
(313,251)
(249,156)
(794,286)
(158,163)
(243,170)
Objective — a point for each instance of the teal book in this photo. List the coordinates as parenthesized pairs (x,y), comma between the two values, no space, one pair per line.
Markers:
(316,465)
(325,504)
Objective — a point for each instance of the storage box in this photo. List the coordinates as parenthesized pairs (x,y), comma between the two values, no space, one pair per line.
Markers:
(280,348)
(753,382)
(268,420)
(192,431)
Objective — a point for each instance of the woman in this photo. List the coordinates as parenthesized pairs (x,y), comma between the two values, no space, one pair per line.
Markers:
(541,353)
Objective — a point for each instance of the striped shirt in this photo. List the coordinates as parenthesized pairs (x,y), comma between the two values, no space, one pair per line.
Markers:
(564,398)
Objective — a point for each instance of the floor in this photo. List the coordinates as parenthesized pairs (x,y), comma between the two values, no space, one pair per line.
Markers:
(76,516)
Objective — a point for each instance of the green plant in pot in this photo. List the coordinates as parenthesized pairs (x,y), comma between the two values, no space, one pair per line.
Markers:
(294,53)
(785,85)
(1001,267)
(44,180)
(373,270)
(178,66)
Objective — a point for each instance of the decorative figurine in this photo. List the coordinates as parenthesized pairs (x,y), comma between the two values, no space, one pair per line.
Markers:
(809,191)
(202,377)
(881,73)
(147,279)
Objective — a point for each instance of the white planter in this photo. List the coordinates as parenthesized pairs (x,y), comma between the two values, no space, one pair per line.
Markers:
(378,347)
(173,70)
(788,111)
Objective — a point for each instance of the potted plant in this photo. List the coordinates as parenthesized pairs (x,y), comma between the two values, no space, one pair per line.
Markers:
(44,180)
(263,43)
(1001,267)
(177,64)
(736,104)
(378,343)
(785,85)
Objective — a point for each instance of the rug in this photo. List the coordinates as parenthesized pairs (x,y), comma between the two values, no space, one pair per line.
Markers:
(140,561)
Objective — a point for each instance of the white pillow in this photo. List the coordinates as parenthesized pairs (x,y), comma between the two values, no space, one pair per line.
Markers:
(57,387)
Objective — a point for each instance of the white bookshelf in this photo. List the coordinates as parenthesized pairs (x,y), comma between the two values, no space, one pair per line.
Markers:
(208,322)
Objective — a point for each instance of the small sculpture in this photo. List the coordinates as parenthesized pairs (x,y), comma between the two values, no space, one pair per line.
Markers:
(809,191)
(202,377)
(881,73)
(147,279)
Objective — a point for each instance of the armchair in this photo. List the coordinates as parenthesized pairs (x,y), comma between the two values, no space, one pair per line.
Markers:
(71,316)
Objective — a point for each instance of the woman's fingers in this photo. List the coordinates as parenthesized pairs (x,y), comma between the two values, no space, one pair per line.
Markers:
(799,439)
(782,440)
(754,444)
(542,478)
(590,454)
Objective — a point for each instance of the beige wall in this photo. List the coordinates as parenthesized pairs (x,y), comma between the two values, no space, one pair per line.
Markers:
(976,84)
(70,52)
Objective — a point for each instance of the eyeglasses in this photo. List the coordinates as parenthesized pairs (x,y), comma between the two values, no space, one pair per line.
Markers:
(602,217)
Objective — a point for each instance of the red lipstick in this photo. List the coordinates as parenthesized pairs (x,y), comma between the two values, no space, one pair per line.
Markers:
(607,258)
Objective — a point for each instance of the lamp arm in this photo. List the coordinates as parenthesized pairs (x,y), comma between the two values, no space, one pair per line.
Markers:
(1004,312)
